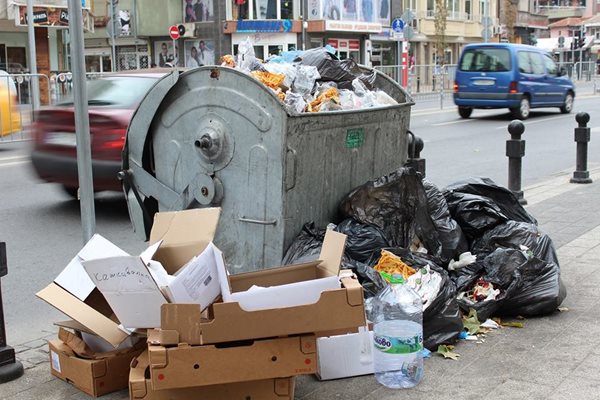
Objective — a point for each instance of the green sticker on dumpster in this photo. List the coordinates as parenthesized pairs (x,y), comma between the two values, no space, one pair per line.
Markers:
(355,138)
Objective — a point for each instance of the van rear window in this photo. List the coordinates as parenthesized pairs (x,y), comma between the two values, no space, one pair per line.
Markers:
(485,60)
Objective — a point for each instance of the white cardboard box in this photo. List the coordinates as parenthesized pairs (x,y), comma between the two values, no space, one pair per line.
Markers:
(343,356)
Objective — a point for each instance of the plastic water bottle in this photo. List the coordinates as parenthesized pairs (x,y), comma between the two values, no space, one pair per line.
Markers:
(397,317)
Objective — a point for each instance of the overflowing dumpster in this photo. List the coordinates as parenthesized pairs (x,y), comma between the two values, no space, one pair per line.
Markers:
(217,136)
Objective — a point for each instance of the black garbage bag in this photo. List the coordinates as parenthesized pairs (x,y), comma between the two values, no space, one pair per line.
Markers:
(506,200)
(306,246)
(540,290)
(475,214)
(442,320)
(500,270)
(466,276)
(396,204)
(451,235)
(513,234)
(370,280)
(331,68)
(362,239)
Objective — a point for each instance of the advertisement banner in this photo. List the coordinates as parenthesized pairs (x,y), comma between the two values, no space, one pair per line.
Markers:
(198,10)
(370,11)
(53,17)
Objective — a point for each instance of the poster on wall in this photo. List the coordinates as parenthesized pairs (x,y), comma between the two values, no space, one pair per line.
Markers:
(198,10)
(199,52)
(332,9)
(164,55)
(383,12)
(350,11)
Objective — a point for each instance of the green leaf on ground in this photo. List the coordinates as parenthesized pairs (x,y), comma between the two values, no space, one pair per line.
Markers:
(471,323)
(446,351)
(513,324)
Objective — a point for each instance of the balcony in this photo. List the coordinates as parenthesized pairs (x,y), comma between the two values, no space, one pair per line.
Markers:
(530,20)
(559,9)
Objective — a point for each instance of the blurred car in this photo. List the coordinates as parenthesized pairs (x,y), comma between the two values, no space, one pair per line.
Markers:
(10,118)
(112,100)
(513,76)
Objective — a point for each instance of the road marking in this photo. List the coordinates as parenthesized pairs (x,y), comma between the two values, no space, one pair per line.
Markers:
(526,123)
(453,122)
(2,164)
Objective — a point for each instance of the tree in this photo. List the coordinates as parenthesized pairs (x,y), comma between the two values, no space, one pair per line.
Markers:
(440,20)
(510,17)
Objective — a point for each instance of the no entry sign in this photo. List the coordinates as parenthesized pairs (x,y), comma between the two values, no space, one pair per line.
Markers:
(174,32)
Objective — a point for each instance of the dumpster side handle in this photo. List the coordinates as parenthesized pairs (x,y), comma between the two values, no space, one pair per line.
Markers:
(257,221)
(290,171)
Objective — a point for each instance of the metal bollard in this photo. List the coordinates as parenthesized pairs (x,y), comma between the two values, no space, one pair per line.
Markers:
(582,137)
(10,368)
(515,150)
(415,146)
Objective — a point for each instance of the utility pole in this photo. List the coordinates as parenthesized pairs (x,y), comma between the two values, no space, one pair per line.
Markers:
(35,86)
(112,35)
(486,19)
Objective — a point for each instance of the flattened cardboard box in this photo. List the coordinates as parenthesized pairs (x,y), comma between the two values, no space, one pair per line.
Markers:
(189,366)
(333,309)
(140,387)
(74,293)
(94,377)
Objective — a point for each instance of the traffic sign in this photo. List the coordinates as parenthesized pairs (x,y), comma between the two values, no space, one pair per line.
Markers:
(397,25)
(174,32)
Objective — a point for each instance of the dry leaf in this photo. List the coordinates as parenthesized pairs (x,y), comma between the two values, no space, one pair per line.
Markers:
(446,351)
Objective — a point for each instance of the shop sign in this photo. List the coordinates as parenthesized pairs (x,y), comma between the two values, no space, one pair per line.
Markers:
(54,17)
(264,26)
(353,26)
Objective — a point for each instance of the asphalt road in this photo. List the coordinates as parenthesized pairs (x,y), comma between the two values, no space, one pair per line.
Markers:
(42,228)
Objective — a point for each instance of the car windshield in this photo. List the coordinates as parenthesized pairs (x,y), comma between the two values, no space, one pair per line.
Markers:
(120,91)
(485,60)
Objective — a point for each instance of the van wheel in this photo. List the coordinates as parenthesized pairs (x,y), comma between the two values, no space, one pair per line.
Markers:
(524,109)
(465,112)
(567,106)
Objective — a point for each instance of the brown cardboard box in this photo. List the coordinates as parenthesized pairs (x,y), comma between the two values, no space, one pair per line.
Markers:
(140,387)
(189,366)
(96,377)
(295,299)
(178,236)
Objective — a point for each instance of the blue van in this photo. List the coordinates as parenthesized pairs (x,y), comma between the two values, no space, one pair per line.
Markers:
(513,76)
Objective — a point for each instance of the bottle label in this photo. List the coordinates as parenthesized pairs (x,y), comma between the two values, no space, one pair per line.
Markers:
(398,345)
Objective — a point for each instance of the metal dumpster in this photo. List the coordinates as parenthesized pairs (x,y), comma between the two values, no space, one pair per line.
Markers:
(215,136)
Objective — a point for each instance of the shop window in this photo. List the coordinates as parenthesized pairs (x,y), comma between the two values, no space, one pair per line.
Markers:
(240,9)
(262,9)
(287,9)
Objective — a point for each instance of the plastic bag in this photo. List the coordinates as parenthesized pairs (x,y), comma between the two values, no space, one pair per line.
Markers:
(513,234)
(475,214)
(499,269)
(506,201)
(246,60)
(451,235)
(294,103)
(343,72)
(306,246)
(396,204)
(362,240)
(306,76)
(442,320)
(286,69)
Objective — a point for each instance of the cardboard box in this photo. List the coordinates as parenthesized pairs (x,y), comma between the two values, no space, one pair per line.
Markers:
(74,293)
(175,239)
(105,373)
(343,356)
(296,304)
(140,387)
(135,287)
(189,366)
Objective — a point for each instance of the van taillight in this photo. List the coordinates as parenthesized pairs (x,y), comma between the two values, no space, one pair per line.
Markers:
(513,88)
(455,87)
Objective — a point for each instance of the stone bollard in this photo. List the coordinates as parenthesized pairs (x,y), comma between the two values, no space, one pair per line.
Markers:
(415,146)
(515,150)
(582,138)
(10,368)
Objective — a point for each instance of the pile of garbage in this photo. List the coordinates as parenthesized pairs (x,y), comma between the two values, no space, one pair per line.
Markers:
(470,246)
(312,81)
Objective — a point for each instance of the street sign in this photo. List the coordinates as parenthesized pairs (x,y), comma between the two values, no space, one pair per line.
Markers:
(398,35)
(174,32)
(397,25)
(409,32)
(408,16)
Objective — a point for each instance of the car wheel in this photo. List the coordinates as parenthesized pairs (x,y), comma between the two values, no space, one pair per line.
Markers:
(71,191)
(567,106)
(465,112)
(524,109)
